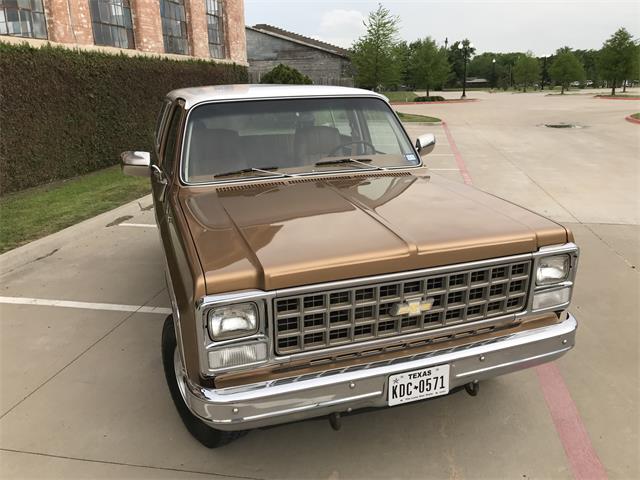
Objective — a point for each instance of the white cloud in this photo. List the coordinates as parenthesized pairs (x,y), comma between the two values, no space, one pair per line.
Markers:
(340,27)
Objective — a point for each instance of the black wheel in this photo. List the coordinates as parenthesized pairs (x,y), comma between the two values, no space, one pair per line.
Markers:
(173,371)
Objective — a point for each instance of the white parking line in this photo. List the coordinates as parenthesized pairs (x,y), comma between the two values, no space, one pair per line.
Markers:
(141,225)
(43,302)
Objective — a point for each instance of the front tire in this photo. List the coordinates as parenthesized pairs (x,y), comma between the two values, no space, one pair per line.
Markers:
(207,436)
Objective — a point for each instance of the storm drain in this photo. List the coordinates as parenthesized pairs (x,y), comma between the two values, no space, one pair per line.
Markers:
(561,125)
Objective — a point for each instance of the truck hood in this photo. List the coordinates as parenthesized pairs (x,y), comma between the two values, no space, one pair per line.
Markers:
(278,234)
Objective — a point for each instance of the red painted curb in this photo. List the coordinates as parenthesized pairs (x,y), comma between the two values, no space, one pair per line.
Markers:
(573,434)
(466,177)
(609,97)
(456,100)
(630,119)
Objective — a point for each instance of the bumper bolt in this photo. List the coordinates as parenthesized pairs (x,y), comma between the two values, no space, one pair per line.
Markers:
(482,358)
(564,342)
(235,411)
(352,385)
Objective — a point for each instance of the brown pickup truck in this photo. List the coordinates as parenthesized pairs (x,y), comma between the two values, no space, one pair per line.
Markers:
(316,266)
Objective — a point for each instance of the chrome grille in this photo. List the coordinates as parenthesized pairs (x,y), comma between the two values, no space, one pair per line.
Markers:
(325,319)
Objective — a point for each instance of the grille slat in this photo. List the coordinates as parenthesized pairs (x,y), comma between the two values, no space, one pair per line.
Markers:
(327,318)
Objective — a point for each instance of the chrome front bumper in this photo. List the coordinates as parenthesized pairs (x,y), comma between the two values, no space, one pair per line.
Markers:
(274,402)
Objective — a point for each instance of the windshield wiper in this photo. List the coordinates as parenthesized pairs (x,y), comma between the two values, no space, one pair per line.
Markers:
(254,169)
(363,161)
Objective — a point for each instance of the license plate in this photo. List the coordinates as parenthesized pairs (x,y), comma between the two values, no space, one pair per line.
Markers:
(418,384)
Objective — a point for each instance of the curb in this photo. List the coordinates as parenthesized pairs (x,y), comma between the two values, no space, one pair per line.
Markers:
(630,119)
(609,97)
(455,100)
(45,246)
(435,124)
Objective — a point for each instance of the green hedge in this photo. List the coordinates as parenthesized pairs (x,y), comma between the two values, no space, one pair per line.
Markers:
(431,98)
(68,112)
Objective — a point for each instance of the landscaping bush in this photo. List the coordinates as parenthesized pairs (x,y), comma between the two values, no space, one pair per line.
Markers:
(284,74)
(68,112)
(432,98)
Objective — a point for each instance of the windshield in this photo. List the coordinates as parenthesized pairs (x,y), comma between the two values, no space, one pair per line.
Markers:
(275,137)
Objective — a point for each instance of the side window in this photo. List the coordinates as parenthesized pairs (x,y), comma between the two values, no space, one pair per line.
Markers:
(160,122)
(171,139)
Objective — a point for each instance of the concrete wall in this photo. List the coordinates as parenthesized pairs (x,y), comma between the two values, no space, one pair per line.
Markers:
(69,23)
(266,51)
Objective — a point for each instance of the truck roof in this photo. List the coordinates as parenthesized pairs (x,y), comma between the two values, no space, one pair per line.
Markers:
(195,95)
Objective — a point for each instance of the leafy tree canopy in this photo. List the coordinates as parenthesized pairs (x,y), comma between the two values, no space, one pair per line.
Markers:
(590,59)
(526,70)
(618,57)
(456,58)
(566,68)
(285,74)
(373,54)
(429,66)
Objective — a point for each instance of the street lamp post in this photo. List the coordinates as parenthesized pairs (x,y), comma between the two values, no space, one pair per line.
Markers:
(493,74)
(465,53)
(544,70)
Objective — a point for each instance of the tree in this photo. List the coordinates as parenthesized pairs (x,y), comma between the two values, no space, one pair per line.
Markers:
(526,70)
(373,53)
(402,57)
(617,58)
(509,60)
(456,59)
(635,65)
(429,64)
(590,60)
(498,73)
(285,74)
(566,68)
(482,65)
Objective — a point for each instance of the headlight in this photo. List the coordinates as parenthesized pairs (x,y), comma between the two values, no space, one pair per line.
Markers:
(236,356)
(553,269)
(232,321)
(551,298)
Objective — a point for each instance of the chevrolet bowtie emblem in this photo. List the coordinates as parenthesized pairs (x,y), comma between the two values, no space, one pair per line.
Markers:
(412,307)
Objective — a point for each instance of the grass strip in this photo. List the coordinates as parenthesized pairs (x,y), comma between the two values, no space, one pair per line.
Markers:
(411,117)
(34,213)
(400,96)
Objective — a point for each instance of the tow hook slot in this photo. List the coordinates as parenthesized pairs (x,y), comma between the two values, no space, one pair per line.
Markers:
(335,420)
(472,388)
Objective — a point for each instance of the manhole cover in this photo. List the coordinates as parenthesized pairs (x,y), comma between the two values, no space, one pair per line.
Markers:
(562,125)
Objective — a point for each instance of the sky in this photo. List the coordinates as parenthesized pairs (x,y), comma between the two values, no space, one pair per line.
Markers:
(492,26)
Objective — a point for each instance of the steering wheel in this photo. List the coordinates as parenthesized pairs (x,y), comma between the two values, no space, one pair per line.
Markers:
(356,142)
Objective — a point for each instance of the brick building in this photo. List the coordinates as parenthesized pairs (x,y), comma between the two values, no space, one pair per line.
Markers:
(325,64)
(207,29)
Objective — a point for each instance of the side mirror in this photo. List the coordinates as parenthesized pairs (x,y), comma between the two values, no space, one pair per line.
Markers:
(136,164)
(426,143)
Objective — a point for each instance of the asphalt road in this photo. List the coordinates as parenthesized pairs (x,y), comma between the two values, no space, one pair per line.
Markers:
(82,388)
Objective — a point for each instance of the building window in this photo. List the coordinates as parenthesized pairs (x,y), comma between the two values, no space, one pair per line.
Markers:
(215,25)
(174,26)
(22,18)
(112,23)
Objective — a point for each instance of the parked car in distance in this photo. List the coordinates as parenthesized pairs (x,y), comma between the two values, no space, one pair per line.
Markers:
(316,266)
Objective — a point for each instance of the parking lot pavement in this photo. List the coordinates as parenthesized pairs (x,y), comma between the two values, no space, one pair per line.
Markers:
(83,392)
